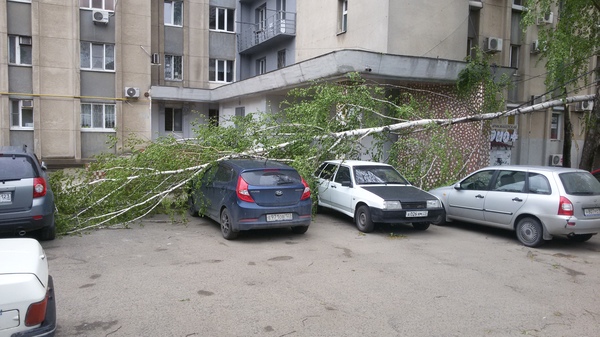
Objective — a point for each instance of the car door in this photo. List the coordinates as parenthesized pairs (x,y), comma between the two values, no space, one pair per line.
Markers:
(214,188)
(340,190)
(505,197)
(466,200)
(325,174)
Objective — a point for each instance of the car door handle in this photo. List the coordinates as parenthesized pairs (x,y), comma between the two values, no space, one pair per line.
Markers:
(517,199)
(332,186)
(479,196)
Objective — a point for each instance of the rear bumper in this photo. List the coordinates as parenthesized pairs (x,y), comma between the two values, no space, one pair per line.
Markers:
(565,225)
(380,216)
(255,217)
(27,224)
(48,327)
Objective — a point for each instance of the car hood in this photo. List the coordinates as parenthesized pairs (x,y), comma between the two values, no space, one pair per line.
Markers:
(23,256)
(399,192)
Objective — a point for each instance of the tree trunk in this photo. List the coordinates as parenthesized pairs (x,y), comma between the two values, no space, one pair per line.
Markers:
(568,131)
(591,145)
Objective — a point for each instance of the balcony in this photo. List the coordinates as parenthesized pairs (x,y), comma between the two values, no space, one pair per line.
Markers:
(277,27)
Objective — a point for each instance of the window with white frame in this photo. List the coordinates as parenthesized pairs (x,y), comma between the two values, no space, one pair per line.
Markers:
(555,124)
(19,50)
(221,19)
(343,9)
(21,114)
(173,67)
(220,71)
(281,59)
(261,18)
(173,13)
(173,120)
(108,5)
(98,116)
(261,66)
(514,55)
(97,56)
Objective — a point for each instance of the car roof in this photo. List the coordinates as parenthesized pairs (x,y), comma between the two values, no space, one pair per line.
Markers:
(249,163)
(355,162)
(538,168)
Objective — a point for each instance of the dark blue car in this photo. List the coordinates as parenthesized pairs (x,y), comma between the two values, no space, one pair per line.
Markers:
(245,194)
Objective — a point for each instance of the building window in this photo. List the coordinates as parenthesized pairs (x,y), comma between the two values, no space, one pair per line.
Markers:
(281,59)
(220,71)
(98,116)
(514,55)
(343,9)
(261,66)
(261,18)
(108,5)
(173,120)
(174,13)
(240,112)
(221,19)
(213,117)
(173,68)
(97,56)
(21,115)
(19,50)
(555,126)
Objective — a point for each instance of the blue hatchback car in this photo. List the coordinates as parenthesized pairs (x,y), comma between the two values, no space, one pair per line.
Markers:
(245,194)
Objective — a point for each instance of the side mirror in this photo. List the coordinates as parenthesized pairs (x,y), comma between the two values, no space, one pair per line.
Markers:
(44,166)
(457,186)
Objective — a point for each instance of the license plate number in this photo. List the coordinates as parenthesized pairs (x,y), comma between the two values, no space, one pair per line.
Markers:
(591,211)
(416,214)
(5,197)
(279,217)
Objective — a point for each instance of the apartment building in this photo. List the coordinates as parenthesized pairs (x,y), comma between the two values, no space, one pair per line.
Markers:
(77,75)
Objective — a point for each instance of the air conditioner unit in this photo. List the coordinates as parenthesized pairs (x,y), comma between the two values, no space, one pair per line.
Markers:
(27,103)
(155,58)
(100,16)
(548,18)
(556,160)
(535,47)
(585,105)
(493,44)
(131,92)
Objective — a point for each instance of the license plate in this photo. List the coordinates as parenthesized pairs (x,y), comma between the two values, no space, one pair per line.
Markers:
(5,197)
(415,214)
(279,217)
(591,211)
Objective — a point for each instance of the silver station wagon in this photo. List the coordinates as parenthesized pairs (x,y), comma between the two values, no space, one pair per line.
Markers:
(538,202)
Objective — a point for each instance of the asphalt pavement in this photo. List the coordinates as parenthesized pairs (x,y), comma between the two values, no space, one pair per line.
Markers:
(160,278)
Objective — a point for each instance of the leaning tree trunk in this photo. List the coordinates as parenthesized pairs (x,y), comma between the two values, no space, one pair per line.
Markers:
(591,145)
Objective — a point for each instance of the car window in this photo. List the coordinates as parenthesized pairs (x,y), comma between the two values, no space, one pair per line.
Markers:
(580,183)
(223,174)
(378,175)
(326,171)
(510,181)
(478,181)
(16,167)
(272,177)
(343,174)
(538,184)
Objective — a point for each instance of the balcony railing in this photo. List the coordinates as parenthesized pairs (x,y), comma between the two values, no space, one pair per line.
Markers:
(279,24)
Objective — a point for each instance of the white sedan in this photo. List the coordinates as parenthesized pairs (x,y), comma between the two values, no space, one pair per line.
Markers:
(27,305)
(372,192)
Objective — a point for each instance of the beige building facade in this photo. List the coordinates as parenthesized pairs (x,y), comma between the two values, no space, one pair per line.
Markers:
(77,75)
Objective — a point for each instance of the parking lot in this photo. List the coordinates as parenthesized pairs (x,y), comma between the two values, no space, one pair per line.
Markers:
(184,279)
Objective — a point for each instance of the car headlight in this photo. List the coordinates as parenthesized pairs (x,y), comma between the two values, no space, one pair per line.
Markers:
(392,205)
(433,204)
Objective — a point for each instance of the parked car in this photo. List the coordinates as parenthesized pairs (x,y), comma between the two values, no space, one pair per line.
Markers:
(27,303)
(596,174)
(26,199)
(245,194)
(372,193)
(538,202)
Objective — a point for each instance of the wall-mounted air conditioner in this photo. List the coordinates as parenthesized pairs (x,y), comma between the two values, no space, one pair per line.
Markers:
(131,92)
(535,47)
(547,19)
(493,44)
(100,16)
(585,105)
(556,160)
(155,58)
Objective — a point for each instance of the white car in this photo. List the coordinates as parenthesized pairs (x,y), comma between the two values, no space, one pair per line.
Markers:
(27,305)
(372,192)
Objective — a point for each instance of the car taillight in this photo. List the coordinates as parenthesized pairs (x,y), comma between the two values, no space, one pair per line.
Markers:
(565,207)
(306,192)
(242,190)
(39,187)
(36,313)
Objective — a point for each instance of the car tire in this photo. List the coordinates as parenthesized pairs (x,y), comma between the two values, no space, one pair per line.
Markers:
(363,219)
(226,230)
(421,226)
(440,220)
(47,233)
(191,208)
(580,237)
(299,229)
(530,232)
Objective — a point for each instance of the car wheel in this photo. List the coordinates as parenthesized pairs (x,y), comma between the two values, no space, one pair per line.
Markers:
(47,233)
(580,237)
(226,230)
(192,207)
(363,219)
(421,225)
(299,229)
(440,220)
(530,232)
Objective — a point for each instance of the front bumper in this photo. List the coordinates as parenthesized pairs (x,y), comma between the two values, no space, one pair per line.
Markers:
(399,216)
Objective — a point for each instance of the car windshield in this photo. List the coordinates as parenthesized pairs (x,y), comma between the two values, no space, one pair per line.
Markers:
(272,177)
(15,168)
(377,175)
(580,183)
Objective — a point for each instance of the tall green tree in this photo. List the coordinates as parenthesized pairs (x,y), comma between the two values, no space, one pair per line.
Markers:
(567,49)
